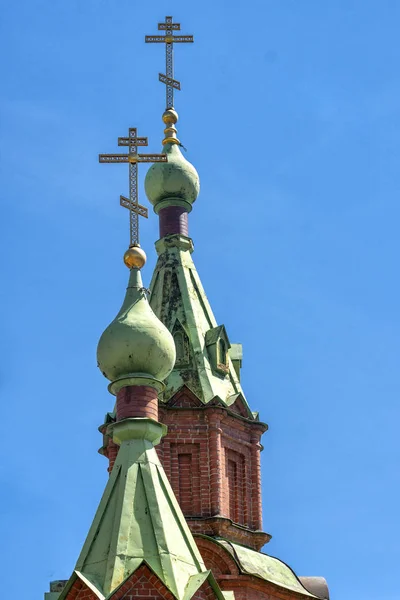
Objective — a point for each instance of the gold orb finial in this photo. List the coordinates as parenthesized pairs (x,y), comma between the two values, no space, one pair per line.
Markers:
(170,116)
(135,257)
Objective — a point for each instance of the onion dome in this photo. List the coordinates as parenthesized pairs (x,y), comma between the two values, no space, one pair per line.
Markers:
(176,182)
(136,348)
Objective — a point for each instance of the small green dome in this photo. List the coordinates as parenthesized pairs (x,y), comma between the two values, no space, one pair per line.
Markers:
(175,182)
(136,343)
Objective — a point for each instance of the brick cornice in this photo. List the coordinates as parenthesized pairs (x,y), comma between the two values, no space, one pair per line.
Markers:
(220,526)
(223,410)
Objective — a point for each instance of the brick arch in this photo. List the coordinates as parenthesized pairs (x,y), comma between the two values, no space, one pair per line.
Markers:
(215,557)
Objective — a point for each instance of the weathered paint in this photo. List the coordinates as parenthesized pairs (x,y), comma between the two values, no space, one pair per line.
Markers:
(177,296)
(139,520)
(173,183)
(265,566)
(135,342)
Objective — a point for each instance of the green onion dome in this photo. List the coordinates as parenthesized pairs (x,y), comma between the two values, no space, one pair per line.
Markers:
(175,182)
(136,345)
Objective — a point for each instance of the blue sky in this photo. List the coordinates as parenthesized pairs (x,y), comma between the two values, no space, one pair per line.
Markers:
(290,112)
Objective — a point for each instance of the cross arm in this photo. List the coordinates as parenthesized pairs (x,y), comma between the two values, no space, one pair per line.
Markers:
(168,39)
(168,81)
(127,141)
(155,39)
(137,208)
(150,158)
(166,26)
(114,158)
(182,38)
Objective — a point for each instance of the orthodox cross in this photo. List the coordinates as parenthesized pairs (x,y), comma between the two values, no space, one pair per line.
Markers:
(133,158)
(169,39)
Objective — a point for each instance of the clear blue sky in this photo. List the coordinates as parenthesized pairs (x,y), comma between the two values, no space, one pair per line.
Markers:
(290,111)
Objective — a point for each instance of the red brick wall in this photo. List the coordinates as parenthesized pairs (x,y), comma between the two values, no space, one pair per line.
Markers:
(212,459)
(143,585)
(80,591)
(205,592)
(216,558)
(187,478)
(137,401)
(246,587)
(191,485)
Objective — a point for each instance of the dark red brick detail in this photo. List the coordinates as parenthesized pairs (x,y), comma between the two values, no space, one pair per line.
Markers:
(185,480)
(236,475)
(143,584)
(80,591)
(216,558)
(185,398)
(256,505)
(137,401)
(205,592)
(112,451)
(173,219)
(239,407)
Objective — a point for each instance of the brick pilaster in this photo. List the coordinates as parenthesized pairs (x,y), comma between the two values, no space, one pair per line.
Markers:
(256,506)
(216,467)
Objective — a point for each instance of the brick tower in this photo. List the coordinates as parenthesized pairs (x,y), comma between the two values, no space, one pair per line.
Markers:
(181,514)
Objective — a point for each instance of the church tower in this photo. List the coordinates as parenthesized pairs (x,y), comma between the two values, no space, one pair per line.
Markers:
(181,514)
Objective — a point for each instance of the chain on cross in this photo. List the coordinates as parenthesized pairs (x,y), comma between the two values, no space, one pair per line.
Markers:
(133,158)
(169,39)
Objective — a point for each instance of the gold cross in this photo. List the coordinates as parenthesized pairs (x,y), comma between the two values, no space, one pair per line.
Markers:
(133,158)
(169,39)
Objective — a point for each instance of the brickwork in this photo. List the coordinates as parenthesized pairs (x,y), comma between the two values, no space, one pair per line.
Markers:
(143,584)
(211,456)
(112,452)
(246,587)
(216,558)
(173,219)
(137,401)
(187,478)
(80,591)
(205,592)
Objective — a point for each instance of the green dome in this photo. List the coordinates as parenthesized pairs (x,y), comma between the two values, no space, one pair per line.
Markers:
(136,343)
(175,182)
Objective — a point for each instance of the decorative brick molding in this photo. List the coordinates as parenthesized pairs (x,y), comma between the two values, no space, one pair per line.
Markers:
(222,527)
(216,558)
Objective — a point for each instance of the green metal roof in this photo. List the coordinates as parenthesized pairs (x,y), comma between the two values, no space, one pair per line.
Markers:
(177,295)
(139,520)
(135,342)
(265,566)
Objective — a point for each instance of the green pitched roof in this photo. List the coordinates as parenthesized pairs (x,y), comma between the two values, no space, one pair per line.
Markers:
(177,296)
(139,520)
(266,567)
